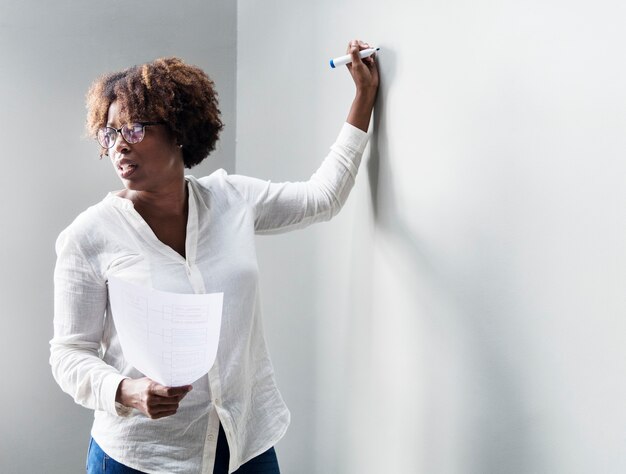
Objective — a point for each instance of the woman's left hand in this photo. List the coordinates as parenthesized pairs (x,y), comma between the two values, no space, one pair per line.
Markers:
(365,75)
(364,71)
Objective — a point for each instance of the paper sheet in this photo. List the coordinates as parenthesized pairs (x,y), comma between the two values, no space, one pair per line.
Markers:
(170,337)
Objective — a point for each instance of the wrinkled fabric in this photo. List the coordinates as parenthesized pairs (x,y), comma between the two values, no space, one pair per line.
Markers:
(111,238)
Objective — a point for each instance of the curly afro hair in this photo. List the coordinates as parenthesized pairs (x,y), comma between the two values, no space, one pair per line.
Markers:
(166,90)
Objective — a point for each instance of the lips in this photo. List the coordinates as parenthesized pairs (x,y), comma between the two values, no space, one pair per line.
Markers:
(126,168)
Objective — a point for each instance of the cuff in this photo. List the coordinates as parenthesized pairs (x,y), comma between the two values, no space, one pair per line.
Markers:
(109,391)
(352,137)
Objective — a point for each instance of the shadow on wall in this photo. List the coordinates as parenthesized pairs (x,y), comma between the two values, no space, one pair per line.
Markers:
(488,429)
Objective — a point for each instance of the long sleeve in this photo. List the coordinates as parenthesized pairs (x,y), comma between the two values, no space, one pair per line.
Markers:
(80,300)
(279,207)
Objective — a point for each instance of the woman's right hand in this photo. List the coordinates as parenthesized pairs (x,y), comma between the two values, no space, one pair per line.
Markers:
(149,397)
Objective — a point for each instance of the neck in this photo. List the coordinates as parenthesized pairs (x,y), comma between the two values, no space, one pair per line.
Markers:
(168,200)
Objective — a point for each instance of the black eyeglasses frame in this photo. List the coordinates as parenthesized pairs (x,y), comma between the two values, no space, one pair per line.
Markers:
(120,131)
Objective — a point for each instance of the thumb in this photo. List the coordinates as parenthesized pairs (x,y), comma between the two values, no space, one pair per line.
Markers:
(354,52)
(170,391)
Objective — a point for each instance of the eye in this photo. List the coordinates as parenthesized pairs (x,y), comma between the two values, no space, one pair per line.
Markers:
(134,132)
(106,136)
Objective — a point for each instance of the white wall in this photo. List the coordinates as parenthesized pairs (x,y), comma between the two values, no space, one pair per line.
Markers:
(51,52)
(465,311)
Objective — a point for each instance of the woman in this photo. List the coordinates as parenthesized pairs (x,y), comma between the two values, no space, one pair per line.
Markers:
(176,233)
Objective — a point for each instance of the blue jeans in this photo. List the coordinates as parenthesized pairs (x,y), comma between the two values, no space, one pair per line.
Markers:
(98,462)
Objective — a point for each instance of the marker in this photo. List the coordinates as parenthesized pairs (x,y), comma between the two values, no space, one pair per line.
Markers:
(341,60)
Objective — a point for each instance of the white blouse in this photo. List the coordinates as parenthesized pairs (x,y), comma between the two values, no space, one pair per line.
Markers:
(239,392)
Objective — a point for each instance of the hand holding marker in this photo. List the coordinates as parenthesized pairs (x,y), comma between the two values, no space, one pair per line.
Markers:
(341,60)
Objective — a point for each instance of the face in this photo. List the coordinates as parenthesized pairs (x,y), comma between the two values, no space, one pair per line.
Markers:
(150,165)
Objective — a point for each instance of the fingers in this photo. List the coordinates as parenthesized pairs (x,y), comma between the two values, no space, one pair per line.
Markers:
(354,47)
(161,408)
(157,412)
(173,392)
(151,398)
(353,50)
(363,71)
(160,401)
(155,400)
(358,44)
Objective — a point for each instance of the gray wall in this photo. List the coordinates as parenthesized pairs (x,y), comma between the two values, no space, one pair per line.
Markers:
(51,52)
(465,311)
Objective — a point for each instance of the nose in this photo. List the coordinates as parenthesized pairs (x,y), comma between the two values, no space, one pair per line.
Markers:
(121,145)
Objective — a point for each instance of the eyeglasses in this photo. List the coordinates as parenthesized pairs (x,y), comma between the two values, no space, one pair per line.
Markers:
(131,132)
